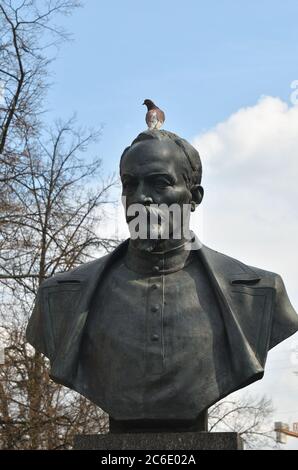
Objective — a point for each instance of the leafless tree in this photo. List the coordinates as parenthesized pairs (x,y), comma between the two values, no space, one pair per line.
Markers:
(58,210)
(35,412)
(28,42)
(57,226)
(52,199)
(250,416)
(27,32)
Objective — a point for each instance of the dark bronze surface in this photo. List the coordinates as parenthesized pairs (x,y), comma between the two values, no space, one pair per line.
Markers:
(152,333)
(141,425)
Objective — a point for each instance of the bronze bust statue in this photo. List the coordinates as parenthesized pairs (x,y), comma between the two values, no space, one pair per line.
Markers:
(155,333)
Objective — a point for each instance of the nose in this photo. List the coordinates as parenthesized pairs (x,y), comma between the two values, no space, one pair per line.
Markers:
(142,196)
(146,200)
(143,199)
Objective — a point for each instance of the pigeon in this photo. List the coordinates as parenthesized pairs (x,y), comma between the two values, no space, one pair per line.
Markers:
(155,117)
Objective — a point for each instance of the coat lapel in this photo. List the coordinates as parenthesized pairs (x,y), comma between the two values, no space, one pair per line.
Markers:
(245,308)
(64,366)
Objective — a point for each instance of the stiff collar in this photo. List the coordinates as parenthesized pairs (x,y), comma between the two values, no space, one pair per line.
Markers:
(156,263)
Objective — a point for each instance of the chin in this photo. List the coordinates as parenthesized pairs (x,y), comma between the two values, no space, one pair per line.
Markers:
(151,241)
(145,245)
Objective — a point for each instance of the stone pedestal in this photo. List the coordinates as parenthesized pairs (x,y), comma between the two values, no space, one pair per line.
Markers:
(160,441)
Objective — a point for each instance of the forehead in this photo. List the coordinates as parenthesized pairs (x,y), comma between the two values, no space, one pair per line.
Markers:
(154,156)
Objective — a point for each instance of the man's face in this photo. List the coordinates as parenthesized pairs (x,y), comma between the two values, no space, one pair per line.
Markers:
(155,172)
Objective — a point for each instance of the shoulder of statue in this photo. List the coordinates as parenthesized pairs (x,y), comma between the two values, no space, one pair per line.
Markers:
(85,270)
(79,273)
(228,265)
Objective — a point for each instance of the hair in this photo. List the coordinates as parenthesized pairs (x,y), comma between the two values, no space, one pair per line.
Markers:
(191,154)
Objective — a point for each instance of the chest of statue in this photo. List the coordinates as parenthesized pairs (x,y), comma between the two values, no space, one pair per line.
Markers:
(151,340)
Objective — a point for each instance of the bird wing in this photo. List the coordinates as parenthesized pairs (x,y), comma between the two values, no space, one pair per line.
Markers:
(161,115)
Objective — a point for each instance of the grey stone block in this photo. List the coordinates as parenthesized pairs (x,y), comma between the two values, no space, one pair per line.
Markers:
(160,441)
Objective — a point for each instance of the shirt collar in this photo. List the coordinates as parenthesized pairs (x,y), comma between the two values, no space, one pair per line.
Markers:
(158,263)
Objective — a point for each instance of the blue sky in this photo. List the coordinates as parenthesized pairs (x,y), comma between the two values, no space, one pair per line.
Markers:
(200,61)
(208,65)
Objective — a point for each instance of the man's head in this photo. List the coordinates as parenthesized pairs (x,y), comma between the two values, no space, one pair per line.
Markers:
(161,168)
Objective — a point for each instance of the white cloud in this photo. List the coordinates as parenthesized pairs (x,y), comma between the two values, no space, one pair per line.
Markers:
(250,169)
(269,127)
(250,174)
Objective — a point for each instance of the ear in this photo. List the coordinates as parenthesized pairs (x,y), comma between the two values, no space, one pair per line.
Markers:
(197,192)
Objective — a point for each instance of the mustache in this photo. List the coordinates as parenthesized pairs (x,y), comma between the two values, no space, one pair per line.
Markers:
(151,212)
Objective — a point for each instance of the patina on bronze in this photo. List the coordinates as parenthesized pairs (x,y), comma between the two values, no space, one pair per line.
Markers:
(154,333)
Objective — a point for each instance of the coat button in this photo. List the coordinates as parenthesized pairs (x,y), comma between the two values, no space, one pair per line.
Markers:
(156,268)
(154,286)
(155,337)
(154,308)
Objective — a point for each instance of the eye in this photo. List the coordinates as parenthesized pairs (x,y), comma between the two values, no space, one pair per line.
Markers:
(161,182)
(129,184)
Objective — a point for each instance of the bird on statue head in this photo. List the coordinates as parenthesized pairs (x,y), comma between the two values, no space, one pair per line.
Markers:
(155,117)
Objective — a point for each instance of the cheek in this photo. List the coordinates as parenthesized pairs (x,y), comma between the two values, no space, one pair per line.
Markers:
(178,195)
